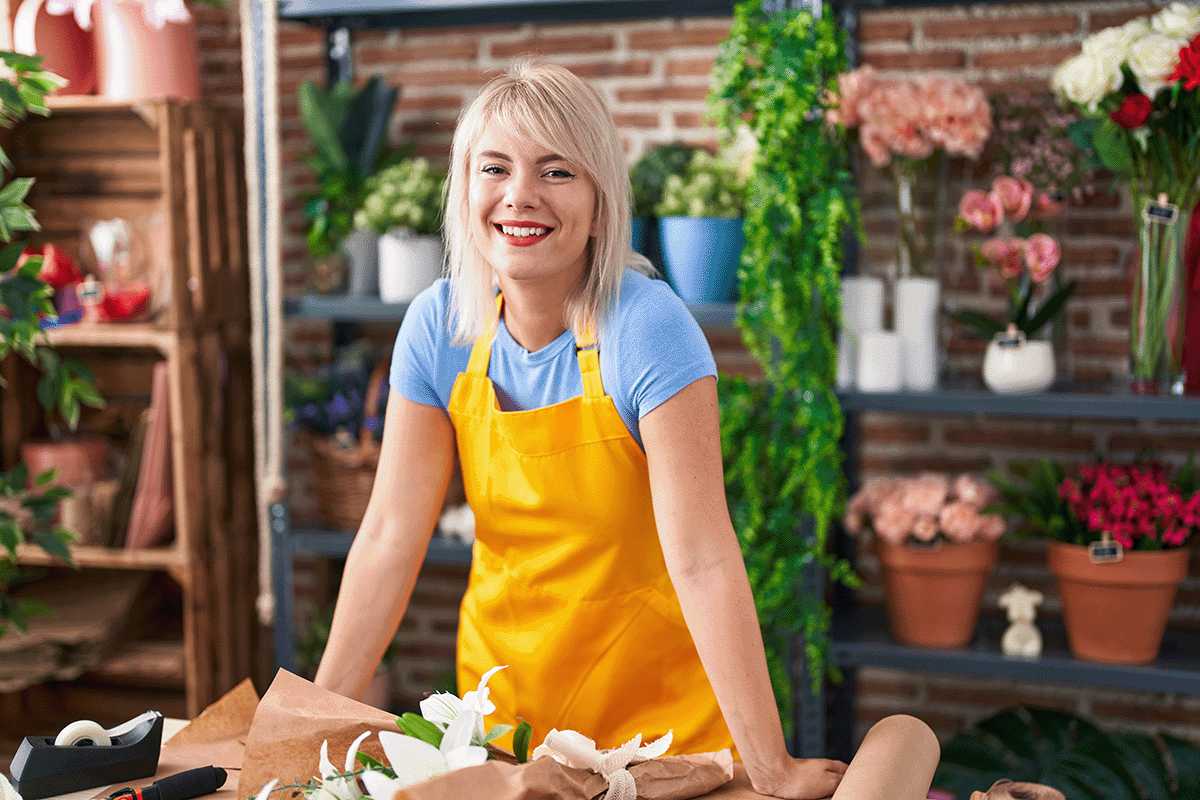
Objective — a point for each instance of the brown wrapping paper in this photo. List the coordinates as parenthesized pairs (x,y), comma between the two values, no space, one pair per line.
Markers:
(295,716)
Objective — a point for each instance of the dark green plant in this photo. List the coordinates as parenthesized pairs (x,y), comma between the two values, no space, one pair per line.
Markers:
(783,462)
(348,129)
(1071,754)
(650,172)
(709,187)
(407,195)
(1029,501)
(311,644)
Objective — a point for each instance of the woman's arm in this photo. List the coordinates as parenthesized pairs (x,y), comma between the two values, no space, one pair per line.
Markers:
(416,461)
(683,446)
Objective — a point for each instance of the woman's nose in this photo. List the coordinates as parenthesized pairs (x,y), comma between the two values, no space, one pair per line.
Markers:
(521,191)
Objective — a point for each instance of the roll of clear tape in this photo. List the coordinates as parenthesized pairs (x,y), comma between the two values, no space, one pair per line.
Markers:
(83,732)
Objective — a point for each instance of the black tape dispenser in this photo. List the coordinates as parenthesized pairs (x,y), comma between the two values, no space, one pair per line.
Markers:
(85,755)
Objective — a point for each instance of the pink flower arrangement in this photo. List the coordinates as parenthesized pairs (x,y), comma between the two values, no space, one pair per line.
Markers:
(911,118)
(1137,504)
(925,507)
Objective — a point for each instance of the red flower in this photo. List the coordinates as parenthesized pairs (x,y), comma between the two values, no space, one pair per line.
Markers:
(1134,111)
(1188,69)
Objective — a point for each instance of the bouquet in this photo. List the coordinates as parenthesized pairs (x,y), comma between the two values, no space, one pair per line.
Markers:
(1025,257)
(925,509)
(1143,506)
(902,123)
(405,195)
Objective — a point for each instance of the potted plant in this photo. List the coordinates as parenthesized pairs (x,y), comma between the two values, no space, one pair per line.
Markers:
(1118,537)
(648,178)
(700,225)
(936,546)
(1026,258)
(311,647)
(348,129)
(404,206)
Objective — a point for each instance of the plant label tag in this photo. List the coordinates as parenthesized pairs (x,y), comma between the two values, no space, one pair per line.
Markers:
(917,544)
(1160,211)
(1106,551)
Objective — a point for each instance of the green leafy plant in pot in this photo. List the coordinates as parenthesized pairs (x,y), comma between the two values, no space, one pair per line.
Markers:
(404,206)
(348,129)
(310,647)
(649,176)
(700,227)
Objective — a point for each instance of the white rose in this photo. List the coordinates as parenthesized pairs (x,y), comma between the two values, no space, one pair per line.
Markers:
(1112,44)
(1085,79)
(1152,58)
(1178,20)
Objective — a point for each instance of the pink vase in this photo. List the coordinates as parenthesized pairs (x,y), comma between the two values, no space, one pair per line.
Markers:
(66,49)
(137,61)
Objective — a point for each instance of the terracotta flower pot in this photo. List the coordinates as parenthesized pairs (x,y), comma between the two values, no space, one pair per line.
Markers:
(79,460)
(933,595)
(1116,613)
(66,49)
(137,61)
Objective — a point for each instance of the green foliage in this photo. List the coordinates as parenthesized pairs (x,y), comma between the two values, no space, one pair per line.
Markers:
(650,172)
(1029,501)
(781,437)
(348,130)
(521,741)
(418,727)
(310,646)
(405,195)
(709,187)
(985,326)
(1071,754)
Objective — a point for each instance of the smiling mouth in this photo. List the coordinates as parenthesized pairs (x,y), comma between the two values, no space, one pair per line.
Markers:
(522,237)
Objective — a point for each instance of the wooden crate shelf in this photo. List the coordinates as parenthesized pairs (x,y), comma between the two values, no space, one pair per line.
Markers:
(158,558)
(115,334)
(148,664)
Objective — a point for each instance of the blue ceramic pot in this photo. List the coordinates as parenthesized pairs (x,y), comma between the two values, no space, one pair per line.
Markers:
(640,226)
(701,256)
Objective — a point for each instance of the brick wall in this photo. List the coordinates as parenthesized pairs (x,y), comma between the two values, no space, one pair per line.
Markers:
(654,74)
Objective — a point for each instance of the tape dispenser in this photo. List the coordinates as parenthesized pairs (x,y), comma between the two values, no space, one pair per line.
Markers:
(85,755)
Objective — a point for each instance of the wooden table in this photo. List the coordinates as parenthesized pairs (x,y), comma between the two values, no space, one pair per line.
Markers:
(170,728)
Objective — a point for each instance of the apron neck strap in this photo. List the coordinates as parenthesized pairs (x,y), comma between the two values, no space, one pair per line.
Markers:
(481,350)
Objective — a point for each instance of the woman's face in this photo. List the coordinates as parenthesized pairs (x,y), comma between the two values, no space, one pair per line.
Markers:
(532,210)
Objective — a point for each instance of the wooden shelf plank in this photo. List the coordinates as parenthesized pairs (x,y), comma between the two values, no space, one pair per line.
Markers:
(158,558)
(90,102)
(137,334)
(157,664)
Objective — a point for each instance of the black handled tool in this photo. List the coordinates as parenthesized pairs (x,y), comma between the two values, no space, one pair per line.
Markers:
(180,786)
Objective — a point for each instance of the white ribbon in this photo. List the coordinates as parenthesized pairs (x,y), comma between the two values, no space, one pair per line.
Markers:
(573,749)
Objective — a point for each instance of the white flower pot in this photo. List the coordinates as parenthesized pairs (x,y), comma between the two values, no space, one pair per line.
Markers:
(879,363)
(408,264)
(362,252)
(916,314)
(1015,365)
(862,311)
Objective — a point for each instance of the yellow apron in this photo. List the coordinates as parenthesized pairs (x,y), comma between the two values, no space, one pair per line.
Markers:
(568,585)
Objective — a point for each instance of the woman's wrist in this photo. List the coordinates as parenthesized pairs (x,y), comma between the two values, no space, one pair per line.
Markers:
(767,769)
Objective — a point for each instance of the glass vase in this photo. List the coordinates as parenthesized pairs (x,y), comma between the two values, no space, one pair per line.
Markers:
(1158,304)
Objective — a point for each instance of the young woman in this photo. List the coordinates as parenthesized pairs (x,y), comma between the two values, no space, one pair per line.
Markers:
(579,396)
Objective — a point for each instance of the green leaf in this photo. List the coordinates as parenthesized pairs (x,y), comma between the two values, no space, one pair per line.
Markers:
(370,762)
(315,112)
(15,191)
(9,255)
(1049,309)
(1111,144)
(521,741)
(55,543)
(981,325)
(420,728)
(496,732)
(45,478)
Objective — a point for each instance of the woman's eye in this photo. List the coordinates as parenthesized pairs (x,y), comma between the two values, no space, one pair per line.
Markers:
(488,169)
(560,173)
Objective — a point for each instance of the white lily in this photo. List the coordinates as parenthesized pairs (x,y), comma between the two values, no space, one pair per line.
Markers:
(266,790)
(573,749)
(443,708)
(333,788)
(7,790)
(415,761)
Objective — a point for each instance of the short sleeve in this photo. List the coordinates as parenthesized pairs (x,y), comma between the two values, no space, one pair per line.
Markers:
(414,357)
(662,349)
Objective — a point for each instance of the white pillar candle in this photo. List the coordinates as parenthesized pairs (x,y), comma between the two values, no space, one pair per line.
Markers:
(862,311)
(917,324)
(879,364)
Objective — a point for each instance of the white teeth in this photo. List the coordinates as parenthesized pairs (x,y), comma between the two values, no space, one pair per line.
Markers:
(523,231)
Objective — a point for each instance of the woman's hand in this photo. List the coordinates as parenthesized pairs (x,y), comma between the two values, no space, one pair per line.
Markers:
(803,779)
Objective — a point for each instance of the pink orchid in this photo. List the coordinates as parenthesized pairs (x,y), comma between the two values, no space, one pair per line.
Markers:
(1046,206)
(1004,254)
(1042,255)
(1015,196)
(981,211)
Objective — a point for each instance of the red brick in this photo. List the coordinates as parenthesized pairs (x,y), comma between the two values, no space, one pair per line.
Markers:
(445,77)
(1000,436)
(1098,200)
(890,430)
(547,45)
(628,119)
(690,119)
(663,39)
(438,150)
(407,52)
(1119,317)
(1175,442)
(882,29)
(1101,287)
(661,93)
(1010,58)
(877,683)
(920,462)
(431,102)
(986,27)
(691,66)
(1093,375)
(992,696)
(1078,225)
(1099,20)
(1081,318)
(1099,347)
(1075,254)
(937,59)
(1150,710)
(634,67)
(299,35)
(429,125)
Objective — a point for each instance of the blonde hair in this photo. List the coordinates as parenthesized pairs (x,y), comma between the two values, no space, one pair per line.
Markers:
(553,107)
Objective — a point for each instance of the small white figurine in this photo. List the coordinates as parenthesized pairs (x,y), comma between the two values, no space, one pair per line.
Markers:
(458,522)
(1021,638)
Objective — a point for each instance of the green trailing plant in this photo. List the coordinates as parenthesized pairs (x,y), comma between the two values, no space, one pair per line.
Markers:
(28,514)
(708,187)
(348,130)
(780,437)
(650,172)
(1071,754)
(405,195)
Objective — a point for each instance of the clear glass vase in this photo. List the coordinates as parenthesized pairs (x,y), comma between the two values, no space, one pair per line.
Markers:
(1158,306)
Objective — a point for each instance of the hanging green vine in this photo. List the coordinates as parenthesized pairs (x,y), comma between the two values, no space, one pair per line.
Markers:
(781,436)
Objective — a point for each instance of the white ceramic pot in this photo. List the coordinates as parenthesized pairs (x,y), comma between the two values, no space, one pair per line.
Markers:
(916,313)
(408,264)
(1015,365)
(361,248)
(879,363)
(862,311)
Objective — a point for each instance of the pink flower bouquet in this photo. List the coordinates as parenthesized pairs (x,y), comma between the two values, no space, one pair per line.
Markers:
(924,509)
(1025,257)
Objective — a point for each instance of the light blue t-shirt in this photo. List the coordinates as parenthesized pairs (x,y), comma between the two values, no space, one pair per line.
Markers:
(650,348)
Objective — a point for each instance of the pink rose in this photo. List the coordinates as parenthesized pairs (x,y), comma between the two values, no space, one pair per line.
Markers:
(852,88)
(956,115)
(991,527)
(960,521)
(1005,255)
(981,211)
(970,489)
(893,521)
(1042,255)
(925,529)
(1015,196)
(1047,206)
(925,494)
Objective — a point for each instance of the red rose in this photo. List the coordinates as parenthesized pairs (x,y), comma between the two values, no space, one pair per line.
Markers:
(1188,70)
(1134,111)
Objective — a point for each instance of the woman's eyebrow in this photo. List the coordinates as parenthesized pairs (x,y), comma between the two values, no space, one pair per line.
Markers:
(503,157)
